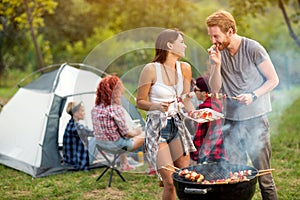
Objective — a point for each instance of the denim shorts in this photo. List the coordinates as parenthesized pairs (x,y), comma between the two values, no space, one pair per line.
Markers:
(169,133)
(123,143)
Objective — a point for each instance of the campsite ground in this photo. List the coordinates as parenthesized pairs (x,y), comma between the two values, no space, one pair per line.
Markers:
(82,185)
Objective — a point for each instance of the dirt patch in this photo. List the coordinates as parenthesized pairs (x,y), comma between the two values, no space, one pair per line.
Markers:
(107,194)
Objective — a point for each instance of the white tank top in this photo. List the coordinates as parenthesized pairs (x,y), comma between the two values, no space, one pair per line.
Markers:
(161,92)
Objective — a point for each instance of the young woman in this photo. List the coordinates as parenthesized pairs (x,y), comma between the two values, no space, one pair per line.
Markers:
(161,84)
(109,122)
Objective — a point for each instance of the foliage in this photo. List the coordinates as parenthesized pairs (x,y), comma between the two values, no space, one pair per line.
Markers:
(14,10)
(80,48)
(77,26)
(290,10)
(130,14)
(18,17)
(172,14)
(73,21)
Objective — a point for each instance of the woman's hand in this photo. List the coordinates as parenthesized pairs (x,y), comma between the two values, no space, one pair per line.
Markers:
(164,106)
(138,130)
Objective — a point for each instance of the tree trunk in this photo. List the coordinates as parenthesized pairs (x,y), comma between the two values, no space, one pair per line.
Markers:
(288,23)
(33,36)
(2,66)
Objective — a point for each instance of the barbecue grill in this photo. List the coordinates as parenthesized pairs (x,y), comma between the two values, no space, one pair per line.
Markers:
(186,189)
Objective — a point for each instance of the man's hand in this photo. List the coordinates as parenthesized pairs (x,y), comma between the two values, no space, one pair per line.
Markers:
(214,55)
(245,98)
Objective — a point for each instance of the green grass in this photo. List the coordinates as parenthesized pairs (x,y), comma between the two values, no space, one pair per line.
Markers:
(77,185)
(286,153)
(285,139)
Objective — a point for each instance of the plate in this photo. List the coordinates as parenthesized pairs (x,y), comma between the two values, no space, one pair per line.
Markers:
(211,115)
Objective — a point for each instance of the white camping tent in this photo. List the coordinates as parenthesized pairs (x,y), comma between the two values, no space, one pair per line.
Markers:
(32,123)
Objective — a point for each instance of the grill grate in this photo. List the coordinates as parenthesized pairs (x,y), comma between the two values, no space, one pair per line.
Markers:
(213,171)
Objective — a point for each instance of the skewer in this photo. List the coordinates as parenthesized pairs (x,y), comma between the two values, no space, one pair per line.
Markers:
(172,170)
(265,173)
(171,102)
(176,168)
(265,170)
(180,98)
(220,96)
(189,94)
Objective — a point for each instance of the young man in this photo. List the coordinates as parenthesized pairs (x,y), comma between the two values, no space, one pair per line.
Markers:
(243,69)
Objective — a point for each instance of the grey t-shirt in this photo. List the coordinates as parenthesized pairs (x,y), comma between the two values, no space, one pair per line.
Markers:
(240,74)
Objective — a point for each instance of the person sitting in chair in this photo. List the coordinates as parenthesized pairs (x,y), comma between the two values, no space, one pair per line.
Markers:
(109,122)
(75,153)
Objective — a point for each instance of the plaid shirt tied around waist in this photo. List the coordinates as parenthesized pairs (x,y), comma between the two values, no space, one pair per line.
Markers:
(156,121)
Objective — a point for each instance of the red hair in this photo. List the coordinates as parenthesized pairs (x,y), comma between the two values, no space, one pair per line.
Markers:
(109,90)
(223,19)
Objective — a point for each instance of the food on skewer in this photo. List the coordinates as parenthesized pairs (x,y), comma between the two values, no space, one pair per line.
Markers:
(207,182)
(220,96)
(194,176)
(234,177)
(217,181)
(186,95)
(200,178)
(187,174)
(180,98)
(221,181)
(191,175)
(216,95)
(183,172)
(239,176)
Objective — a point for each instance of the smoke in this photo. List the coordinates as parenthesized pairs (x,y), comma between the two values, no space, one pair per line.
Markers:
(243,139)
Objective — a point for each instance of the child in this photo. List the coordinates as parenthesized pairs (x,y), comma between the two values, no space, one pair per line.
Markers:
(208,138)
(74,151)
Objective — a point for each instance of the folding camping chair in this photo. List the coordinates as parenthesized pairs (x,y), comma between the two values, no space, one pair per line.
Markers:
(111,162)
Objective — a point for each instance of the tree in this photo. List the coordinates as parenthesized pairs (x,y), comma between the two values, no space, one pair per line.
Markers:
(28,16)
(259,7)
(130,14)
(74,21)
